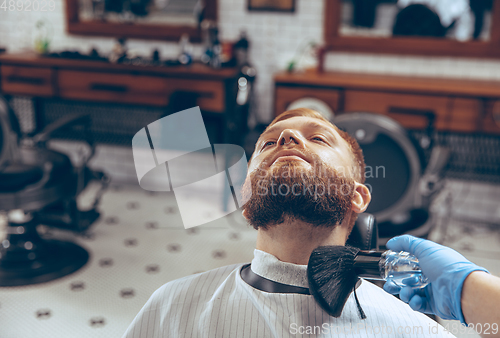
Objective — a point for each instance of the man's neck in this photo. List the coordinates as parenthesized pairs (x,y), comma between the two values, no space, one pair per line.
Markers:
(294,241)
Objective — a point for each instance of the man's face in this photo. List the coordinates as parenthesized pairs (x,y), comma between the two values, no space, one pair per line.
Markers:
(302,134)
(301,169)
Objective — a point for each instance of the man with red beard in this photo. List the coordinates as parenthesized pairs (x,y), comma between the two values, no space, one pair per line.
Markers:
(304,189)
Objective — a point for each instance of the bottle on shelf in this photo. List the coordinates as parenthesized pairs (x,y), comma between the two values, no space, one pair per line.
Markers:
(186,50)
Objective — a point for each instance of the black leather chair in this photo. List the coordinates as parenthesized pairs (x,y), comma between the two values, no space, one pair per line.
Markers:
(364,234)
(40,186)
(402,183)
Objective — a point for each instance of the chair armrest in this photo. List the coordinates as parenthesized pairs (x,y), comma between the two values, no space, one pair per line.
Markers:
(64,122)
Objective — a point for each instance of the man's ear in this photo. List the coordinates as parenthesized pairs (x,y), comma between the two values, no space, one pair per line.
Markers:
(245,214)
(361,198)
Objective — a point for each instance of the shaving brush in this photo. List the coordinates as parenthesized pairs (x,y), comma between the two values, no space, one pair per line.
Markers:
(333,272)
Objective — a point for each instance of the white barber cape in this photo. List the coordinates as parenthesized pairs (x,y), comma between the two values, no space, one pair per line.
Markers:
(219,303)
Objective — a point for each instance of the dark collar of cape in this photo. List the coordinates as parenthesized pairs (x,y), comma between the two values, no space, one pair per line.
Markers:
(267,285)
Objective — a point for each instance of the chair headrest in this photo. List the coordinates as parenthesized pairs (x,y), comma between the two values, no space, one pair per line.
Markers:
(393,162)
(364,234)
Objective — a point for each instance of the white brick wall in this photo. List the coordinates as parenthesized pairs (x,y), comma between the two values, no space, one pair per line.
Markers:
(466,68)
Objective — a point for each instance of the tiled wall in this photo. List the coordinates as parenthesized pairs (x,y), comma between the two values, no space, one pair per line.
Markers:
(450,67)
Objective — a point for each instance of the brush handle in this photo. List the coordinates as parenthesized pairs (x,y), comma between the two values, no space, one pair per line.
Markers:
(400,267)
(367,264)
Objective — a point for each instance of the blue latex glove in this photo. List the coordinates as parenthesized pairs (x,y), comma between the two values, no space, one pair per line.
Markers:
(446,270)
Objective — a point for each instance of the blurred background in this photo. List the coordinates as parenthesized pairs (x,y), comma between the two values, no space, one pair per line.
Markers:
(83,246)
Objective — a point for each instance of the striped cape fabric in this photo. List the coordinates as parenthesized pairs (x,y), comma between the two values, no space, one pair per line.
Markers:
(219,303)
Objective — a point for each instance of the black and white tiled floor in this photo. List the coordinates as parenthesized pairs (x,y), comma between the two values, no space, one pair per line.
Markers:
(139,244)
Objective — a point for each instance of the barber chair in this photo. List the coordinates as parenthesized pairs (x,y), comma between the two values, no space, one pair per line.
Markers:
(40,186)
(401,183)
(364,234)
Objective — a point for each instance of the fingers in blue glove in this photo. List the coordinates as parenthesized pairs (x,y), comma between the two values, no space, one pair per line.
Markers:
(391,287)
(411,281)
(417,298)
(407,293)
(402,243)
(416,246)
(417,303)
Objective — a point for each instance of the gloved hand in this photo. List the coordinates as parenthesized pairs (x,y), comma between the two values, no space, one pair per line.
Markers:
(446,270)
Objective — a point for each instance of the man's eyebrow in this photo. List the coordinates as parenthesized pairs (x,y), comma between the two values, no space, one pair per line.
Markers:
(315,124)
(310,124)
(269,131)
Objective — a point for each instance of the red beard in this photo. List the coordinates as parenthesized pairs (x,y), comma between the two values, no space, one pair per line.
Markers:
(320,195)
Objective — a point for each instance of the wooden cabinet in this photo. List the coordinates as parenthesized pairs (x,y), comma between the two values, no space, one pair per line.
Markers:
(213,90)
(27,74)
(27,80)
(465,115)
(137,89)
(211,94)
(124,88)
(491,119)
(466,106)
(412,111)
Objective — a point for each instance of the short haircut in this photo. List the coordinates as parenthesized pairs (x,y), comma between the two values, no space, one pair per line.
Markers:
(357,153)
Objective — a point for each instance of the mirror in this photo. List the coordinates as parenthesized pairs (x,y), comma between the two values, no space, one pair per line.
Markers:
(450,19)
(425,27)
(166,12)
(145,19)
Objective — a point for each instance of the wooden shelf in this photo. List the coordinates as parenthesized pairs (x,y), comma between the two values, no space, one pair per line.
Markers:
(213,90)
(466,106)
(393,83)
(194,70)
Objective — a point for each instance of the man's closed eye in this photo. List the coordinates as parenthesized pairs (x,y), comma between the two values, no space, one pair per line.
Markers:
(268,143)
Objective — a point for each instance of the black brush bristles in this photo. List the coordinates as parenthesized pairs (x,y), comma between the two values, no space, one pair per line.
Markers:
(332,277)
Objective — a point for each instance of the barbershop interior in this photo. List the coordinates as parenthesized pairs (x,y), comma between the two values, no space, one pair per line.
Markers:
(88,229)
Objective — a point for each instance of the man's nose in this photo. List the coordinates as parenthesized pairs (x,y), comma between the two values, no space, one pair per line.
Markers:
(289,137)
